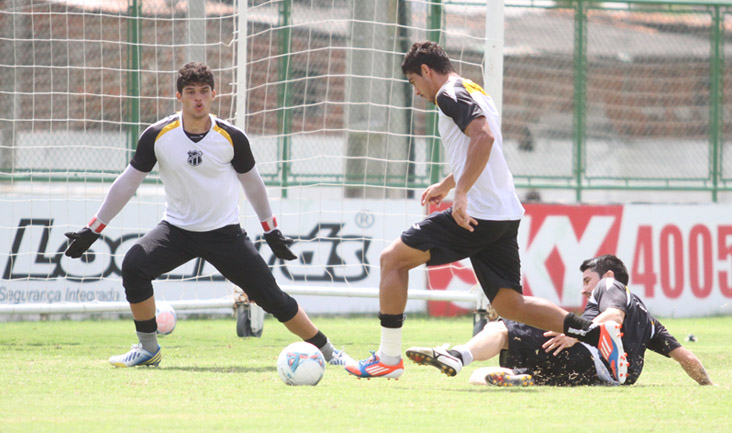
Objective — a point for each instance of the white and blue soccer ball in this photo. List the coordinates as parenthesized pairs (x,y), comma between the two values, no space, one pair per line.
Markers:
(301,363)
(166,318)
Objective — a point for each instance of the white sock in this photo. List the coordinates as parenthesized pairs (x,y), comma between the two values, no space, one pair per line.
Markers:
(465,353)
(390,350)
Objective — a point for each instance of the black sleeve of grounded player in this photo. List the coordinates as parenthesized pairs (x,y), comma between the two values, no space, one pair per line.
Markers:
(611,296)
(662,341)
(463,110)
(144,158)
(243,158)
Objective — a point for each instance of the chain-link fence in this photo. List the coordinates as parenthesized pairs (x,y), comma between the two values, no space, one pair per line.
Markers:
(618,96)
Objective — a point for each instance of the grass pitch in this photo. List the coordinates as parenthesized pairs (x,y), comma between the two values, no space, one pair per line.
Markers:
(54,377)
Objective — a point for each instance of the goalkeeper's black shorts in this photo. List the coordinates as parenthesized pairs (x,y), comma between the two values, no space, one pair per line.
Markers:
(228,249)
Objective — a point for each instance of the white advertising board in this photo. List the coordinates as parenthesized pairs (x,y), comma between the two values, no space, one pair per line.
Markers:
(679,257)
(338,245)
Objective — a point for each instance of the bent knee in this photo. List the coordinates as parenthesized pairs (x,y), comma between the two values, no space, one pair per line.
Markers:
(399,256)
(283,307)
(136,281)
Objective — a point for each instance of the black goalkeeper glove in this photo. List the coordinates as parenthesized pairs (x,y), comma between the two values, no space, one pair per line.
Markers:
(279,244)
(80,242)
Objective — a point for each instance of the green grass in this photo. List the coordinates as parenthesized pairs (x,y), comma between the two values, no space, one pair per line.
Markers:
(54,377)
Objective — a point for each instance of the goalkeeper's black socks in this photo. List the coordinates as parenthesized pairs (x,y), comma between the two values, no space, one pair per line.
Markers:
(582,329)
(147,333)
(321,342)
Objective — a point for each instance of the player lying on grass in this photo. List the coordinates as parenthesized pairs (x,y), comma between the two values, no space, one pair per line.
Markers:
(203,163)
(481,225)
(531,356)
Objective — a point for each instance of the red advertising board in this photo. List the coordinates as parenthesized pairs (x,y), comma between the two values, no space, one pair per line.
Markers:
(679,258)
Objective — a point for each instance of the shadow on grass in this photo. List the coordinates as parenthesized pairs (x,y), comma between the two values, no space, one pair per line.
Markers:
(237,369)
(484,389)
(55,344)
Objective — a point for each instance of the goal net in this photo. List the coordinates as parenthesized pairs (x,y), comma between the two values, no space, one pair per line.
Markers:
(603,101)
(342,142)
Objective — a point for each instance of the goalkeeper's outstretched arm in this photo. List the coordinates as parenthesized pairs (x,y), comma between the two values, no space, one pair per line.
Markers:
(256,193)
(119,194)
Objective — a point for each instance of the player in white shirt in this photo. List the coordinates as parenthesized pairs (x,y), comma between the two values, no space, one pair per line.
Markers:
(482,223)
(203,161)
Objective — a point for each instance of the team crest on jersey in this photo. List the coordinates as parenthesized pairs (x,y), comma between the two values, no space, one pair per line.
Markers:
(195,157)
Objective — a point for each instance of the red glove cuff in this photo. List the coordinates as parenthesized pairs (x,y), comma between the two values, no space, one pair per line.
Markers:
(269,224)
(96,225)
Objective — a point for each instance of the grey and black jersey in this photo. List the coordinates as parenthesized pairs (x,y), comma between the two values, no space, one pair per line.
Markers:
(640,329)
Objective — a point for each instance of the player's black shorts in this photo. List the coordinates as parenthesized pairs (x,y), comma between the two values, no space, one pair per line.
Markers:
(572,367)
(491,247)
(228,249)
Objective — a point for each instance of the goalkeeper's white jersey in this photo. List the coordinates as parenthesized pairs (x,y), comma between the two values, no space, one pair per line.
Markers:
(493,196)
(199,177)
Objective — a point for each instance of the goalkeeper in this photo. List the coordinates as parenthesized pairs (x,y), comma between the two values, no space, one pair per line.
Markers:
(203,161)
(530,356)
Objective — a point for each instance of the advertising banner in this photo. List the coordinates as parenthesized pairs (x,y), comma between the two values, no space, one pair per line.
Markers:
(338,244)
(679,257)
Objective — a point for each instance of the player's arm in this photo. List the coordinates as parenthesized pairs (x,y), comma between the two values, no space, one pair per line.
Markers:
(479,151)
(663,343)
(471,119)
(435,193)
(557,342)
(612,299)
(614,314)
(119,194)
(691,365)
(256,193)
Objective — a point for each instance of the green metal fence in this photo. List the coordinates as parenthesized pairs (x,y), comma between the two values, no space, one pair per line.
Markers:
(597,96)
(649,105)
(629,95)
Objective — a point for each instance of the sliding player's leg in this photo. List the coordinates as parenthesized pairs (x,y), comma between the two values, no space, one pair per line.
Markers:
(485,345)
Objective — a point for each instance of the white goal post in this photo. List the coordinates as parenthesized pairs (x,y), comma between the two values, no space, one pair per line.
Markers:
(231,302)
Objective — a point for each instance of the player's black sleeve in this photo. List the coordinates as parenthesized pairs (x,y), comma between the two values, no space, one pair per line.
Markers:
(662,341)
(462,110)
(243,158)
(144,158)
(611,294)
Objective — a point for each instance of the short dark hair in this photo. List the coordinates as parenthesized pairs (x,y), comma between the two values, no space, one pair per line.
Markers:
(426,53)
(194,73)
(605,263)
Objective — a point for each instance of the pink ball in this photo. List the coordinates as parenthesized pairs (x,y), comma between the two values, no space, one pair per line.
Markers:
(166,318)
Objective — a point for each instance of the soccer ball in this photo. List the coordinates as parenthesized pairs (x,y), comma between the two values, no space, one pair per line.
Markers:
(166,318)
(301,363)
